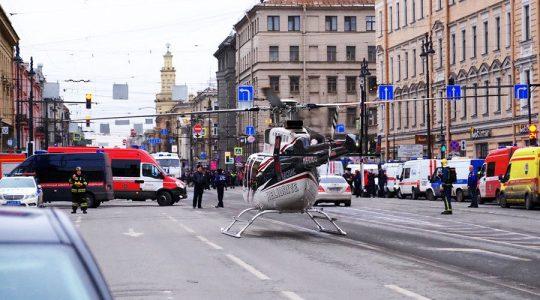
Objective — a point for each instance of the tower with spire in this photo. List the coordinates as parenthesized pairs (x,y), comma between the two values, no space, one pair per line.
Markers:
(168,80)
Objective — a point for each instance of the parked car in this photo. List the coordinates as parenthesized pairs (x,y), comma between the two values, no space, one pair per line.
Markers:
(494,166)
(415,177)
(393,171)
(334,189)
(520,183)
(461,166)
(43,257)
(20,191)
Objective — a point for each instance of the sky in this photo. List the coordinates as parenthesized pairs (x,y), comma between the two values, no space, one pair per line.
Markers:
(122,41)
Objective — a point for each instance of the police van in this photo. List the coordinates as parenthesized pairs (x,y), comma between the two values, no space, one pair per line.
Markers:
(170,163)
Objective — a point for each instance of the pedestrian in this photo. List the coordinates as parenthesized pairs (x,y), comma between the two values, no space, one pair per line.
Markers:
(220,181)
(78,191)
(472,182)
(447,179)
(357,180)
(233,178)
(199,183)
(383,179)
(349,177)
(371,185)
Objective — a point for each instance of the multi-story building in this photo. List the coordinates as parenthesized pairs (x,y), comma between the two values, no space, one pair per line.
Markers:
(8,40)
(484,46)
(309,51)
(204,145)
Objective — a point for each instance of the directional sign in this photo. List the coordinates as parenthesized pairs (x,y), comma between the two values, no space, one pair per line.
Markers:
(463,145)
(164,131)
(453,92)
(250,130)
(203,155)
(245,93)
(5,130)
(340,128)
(10,142)
(386,92)
(521,91)
(238,151)
(197,128)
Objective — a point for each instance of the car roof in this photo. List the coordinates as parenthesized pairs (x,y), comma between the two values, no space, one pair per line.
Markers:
(29,225)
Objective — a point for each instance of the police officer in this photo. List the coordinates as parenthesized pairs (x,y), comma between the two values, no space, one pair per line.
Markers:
(472,182)
(446,180)
(78,190)
(220,181)
(200,182)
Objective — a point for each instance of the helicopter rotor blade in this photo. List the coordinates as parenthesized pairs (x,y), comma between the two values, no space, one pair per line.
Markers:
(274,100)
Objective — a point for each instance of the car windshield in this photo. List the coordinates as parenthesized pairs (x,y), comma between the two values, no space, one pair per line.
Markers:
(33,271)
(9,182)
(333,180)
(169,163)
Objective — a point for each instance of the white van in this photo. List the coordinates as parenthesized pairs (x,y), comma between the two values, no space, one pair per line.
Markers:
(459,188)
(414,179)
(170,163)
(331,168)
(393,171)
(364,170)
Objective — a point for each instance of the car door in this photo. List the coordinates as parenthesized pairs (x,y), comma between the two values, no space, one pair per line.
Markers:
(151,180)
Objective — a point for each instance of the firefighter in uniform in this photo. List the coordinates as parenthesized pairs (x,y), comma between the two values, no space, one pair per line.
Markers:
(447,181)
(78,190)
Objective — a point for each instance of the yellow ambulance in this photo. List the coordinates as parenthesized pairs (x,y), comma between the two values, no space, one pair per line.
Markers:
(519,186)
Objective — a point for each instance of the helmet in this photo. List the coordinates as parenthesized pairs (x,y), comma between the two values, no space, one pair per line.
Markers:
(78,169)
(444,162)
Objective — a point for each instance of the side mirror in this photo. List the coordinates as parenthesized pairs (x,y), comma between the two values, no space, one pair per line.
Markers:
(39,187)
(429,177)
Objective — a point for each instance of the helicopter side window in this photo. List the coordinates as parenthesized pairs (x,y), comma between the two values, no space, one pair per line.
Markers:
(253,178)
(267,136)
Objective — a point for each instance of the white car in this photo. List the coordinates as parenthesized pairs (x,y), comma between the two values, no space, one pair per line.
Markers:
(20,191)
(334,189)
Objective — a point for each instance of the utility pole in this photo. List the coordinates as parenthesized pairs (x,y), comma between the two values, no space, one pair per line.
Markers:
(529,98)
(364,72)
(427,51)
(30,148)
(18,62)
(46,101)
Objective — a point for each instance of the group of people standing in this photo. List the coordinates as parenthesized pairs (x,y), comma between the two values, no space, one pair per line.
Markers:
(203,179)
(366,185)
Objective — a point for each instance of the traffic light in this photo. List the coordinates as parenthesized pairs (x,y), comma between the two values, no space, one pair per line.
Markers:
(533,135)
(88,101)
(87,121)
(443,151)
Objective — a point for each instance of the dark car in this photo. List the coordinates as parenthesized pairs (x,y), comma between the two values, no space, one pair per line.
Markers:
(43,257)
(52,172)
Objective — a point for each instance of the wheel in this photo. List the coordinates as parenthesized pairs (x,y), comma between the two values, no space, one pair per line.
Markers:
(388,194)
(164,199)
(430,196)
(479,197)
(459,196)
(399,194)
(348,203)
(91,200)
(502,201)
(414,194)
(337,204)
(529,202)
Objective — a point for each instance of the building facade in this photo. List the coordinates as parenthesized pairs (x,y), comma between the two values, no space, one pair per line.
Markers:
(165,125)
(484,46)
(205,147)
(8,40)
(309,51)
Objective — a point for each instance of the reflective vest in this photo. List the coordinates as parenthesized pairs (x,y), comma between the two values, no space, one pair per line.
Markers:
(78,184)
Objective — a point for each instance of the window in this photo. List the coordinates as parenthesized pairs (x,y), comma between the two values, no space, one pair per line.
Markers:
(294,84)
(274,53)
(439,4)
(294,53)
(405,20)
(331,23)
(406,114)
(294,23)
(486,98)
(332,111)
(526,23)
(350,122)
(392,120)
(149,170)
(331,53)
(490,170)
(391,69)
(407,173)
(390,19)
(415,113)
(424,103)
(453,109)
(406,65)
(399,115)
(508,28)
(273,23)
(463,45)
(397,16)
(398,67)
(421,9)
(413,11)
(414,63)
(371,53)
(440,53)
(372,116)
(351,85)
(351,53)
(350,23)
(482,150)
(475,100)
(486,37)
(274,83)
(498,33)
(126,168)
(510,93)
(380,23)
(453,49)
(499,96)
(370,23)
(331,84)
(474,38)
(464,104)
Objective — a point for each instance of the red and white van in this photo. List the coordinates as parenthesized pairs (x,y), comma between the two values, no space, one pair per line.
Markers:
(136,175)
(494,166)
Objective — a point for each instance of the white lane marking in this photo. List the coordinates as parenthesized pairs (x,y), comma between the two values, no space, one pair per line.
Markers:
(78,221)
(291,295)
(186,228)
(132,233)
(248,267)
(405,292)
(206,241)
(481,251)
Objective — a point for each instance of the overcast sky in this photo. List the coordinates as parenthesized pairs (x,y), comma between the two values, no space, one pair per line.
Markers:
(122,41)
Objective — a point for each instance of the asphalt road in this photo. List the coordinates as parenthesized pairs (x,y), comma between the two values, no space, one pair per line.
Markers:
(395,249)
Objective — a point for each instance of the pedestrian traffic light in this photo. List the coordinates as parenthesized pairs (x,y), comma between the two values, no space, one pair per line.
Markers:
(87,121)
(88,101)
(533,135)
(443,151)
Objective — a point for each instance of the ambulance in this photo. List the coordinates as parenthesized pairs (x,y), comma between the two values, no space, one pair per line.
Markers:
(494,166)
(520,184)
(393,171)
(170,163)
(415,178)
(136,175)
(460,190)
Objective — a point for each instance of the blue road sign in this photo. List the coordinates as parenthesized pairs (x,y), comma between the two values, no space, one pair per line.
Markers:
(250,130)
(171,141)
(453,92)
(386,92)
(245,93)
(203,155)
(521,91)
(340,128)
(164,131)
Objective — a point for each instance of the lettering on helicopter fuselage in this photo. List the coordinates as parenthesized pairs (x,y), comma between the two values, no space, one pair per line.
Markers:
(289,174)
(308,159)
(283,191)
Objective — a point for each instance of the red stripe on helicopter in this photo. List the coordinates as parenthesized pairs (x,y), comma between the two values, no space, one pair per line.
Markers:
(265,164)
(292,179)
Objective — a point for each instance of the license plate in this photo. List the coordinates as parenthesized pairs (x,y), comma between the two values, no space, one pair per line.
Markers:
(335,190)
(13,203)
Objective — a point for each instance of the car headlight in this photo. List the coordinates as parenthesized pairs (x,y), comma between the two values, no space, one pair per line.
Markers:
(30,196)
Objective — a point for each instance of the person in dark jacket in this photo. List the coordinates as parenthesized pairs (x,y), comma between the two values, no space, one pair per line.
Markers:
(349,177)
(200,181)
(446,180)
(383,179)
(472,182)
(78,191)
(357,179)
(220,182)
(371,185)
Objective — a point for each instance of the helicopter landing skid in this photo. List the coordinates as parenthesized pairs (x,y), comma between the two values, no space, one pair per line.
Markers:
(324,216)
(227,230)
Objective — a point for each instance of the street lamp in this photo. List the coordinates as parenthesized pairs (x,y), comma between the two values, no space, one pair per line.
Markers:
(364,72)
(427,50)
